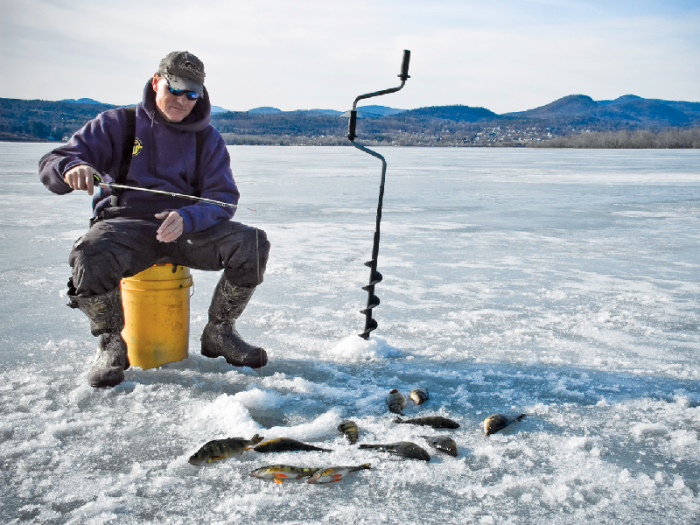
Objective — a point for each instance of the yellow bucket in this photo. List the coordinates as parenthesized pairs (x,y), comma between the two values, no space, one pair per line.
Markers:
(157,315)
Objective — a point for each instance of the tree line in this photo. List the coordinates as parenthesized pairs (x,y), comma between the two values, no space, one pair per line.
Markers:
(641,139)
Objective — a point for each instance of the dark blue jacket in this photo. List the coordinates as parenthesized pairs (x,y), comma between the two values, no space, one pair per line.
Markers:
(165,161)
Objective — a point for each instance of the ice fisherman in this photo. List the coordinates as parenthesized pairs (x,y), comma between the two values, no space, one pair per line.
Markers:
(168,144)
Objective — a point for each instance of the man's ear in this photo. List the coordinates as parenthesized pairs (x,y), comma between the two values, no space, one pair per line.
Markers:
(154,82)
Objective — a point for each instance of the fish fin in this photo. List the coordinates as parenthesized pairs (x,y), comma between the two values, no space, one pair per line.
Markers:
(366,465)
(278,481)
(518,418)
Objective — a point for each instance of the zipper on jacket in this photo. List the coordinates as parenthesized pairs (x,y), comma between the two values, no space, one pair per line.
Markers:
(151,164)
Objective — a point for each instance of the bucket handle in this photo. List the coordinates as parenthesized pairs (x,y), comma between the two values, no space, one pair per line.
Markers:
(192,292)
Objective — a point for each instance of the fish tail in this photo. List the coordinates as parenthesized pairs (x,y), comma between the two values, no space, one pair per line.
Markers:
(365,466)
(398,420)
(256,439)
(519,417)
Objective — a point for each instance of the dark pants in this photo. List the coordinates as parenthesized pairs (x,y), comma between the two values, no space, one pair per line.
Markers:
(122,247)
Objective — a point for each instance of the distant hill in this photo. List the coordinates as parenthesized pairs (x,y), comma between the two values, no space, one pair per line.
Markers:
(82,101)
(44,120)
(456,113)
(374,111)
(629,109)
(362,112)
(265,110)
(573,105)
(316,112)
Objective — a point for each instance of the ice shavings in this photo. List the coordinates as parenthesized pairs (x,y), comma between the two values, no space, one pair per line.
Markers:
(320,427)
(354,349)
(226,416)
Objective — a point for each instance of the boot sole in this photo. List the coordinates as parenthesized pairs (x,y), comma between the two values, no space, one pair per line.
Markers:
(251,363)
(106,378)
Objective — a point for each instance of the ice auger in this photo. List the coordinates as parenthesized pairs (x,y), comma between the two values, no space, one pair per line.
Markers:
(374,276)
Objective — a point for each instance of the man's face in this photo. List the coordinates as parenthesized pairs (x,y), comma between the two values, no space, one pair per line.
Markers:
(170,107)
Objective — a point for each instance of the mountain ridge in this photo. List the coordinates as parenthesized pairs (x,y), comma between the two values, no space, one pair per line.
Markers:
(456,124)
(630,108)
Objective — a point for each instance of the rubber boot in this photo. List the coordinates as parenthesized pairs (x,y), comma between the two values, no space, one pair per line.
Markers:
(106,316)
(220,338)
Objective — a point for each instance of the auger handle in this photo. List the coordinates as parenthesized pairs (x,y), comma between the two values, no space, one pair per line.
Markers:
(404,65)
(351,125)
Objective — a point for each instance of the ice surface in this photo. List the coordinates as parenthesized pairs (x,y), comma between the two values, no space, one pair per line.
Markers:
(562,284)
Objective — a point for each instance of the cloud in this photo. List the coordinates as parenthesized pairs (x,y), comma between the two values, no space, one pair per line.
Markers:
(506,56)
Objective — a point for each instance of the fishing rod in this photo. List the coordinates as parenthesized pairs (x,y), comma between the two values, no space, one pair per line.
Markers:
(103,184)
(374,276)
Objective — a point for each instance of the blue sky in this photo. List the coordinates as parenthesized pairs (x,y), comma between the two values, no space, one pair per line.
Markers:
(303,54)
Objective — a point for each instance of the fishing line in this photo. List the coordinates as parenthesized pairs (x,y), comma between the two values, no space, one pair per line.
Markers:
(118,186)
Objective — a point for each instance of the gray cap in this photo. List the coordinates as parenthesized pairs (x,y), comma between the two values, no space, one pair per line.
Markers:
(183,70)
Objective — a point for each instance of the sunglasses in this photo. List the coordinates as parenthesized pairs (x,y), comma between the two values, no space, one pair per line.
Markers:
(191,95)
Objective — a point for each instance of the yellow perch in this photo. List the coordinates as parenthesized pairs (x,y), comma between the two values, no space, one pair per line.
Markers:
(496,422)
(284,444)
(402,448)
(419,395)
(349,430)
(396,401)
(333,474)
(223,448)
(281,473)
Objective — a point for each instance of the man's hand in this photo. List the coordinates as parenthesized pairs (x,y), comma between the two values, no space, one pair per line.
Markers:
(172,226)
(81,178)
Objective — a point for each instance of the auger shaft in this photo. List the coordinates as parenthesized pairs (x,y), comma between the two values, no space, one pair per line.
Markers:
(374,276)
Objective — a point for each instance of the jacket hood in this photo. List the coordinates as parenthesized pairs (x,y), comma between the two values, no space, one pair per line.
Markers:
(197,120)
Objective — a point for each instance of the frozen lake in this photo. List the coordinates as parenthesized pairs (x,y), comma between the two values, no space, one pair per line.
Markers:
(558,283)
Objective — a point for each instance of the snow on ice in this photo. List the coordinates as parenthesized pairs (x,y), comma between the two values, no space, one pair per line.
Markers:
(561,284)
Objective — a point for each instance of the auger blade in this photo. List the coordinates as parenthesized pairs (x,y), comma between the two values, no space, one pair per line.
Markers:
(372,325)
(374,301)
(376,278)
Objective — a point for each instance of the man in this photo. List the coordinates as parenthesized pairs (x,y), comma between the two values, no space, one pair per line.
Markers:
(175,149)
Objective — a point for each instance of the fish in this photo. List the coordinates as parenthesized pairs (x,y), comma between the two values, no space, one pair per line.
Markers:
(284,444)
(396,401)
(402,448)
(419,395)
(223,448)
(350,430)
(429,421)
(333,474)
(280,473)
(444,444)
(496,422)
